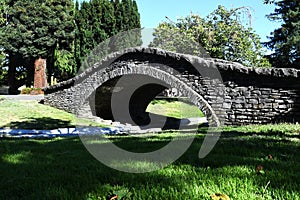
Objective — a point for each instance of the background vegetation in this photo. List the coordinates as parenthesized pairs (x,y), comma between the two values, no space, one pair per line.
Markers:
(58,31)
(64,33)
(219,35)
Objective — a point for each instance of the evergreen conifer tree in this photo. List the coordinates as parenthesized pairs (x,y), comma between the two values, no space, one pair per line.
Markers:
(285,41)
(36,29)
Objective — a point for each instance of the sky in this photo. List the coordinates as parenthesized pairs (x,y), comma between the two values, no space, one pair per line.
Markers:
(154,11)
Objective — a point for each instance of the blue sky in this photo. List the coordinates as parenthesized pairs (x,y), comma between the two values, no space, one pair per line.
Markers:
(154,11)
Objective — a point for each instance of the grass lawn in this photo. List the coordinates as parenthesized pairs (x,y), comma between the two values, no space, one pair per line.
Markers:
(32,115)
(176,109)
(63,168)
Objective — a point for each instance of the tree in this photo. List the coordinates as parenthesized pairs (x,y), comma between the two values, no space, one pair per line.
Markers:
(177,38)
(118,12)
(221,35)
(3,19)
(3,12)
(135,16)
(285,41)
(89,28)
(108,20)
(45,29)
(98,20)
(130,15)
(36,29)
(126,13)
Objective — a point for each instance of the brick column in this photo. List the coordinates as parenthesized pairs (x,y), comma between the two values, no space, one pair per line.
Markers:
(40,79)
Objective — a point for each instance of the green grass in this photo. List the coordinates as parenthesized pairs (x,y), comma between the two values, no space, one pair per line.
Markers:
(63,168)
(176,109)
(32,115)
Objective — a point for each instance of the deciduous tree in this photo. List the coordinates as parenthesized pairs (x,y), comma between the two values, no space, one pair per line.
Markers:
(221,34)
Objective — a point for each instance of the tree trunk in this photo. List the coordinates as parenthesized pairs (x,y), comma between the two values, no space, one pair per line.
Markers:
(30,72)
(12,83)
(50,64)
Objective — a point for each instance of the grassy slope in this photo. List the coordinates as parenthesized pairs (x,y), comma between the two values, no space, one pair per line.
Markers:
(32,115)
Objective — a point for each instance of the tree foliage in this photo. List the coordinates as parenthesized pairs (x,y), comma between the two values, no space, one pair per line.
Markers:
(58,31)
(36,29)
(98,20)
(285,41)
(3,19)
(221,35)
(3,12)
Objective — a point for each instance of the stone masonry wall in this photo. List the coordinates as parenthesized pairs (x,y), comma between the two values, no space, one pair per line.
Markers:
(229,91)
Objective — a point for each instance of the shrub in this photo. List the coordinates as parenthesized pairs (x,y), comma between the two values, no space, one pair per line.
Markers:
(32,91)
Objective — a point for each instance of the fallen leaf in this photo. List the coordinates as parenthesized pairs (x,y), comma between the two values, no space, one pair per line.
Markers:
(114,197)
(260,169)
(219,196)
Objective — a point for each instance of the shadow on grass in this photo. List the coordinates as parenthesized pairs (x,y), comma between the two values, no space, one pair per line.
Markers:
(268,133)
(63,169)
(42,123)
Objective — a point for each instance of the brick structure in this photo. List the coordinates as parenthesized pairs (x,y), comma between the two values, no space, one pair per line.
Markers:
(40,79)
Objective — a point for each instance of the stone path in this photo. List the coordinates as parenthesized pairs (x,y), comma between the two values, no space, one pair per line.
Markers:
(62,132)
(133,129)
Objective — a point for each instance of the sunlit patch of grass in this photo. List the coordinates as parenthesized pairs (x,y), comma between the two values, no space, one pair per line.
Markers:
(16,158)
(281,131)
(176,109)
(135,166)
(32,115)
(284,128)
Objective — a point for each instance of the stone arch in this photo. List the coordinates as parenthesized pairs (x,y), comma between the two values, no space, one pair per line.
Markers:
(92,82)
(138,90)
(248,95)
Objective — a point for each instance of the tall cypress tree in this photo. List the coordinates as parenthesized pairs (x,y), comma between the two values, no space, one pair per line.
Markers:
(135,15)
(118,11)
(90,30)
(98,20)
(77,39)
(126,13)
(108,20)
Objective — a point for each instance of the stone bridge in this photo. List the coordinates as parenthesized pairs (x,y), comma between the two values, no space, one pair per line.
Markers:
(226,92)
